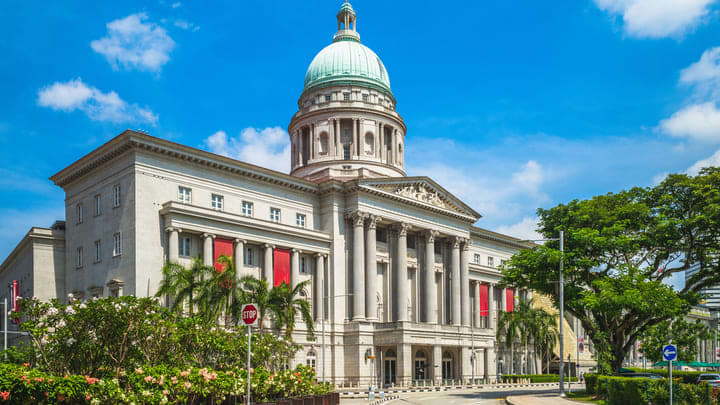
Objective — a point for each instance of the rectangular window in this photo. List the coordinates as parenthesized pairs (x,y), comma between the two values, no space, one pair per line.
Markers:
(275,214)
(437,248)
(381,235)
(217,202)
(300,220)
(116,195)
(328,98)
(98,251)
(303,265)
(346,152)
(411,242)
(365,97)
(79,213)
(247,208)
(311,362)
(185,195)
(184,246)
(502,262)
(117,244)
(476,258)
(491,261)
(249,259)
(98,205)
(79,259)
(346,96)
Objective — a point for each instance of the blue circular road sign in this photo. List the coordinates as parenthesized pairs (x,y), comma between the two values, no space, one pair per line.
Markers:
(669,352)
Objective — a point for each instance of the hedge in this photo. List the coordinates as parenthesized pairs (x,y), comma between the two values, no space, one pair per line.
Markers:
(645,391)
(590,382)
(534,378)
(688,377)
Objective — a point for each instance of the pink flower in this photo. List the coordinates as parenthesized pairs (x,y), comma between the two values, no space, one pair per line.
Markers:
(148,378)
(174,380)
(187,385)
(88,397)
(139,370)
(184,373)
(5,395)
(91,380)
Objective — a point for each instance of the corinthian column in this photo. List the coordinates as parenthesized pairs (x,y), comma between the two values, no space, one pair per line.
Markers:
(358,221)
(430,301)
(455,274)
(465,282)
(240,257)
(319,283)
(371,269)
(403,289)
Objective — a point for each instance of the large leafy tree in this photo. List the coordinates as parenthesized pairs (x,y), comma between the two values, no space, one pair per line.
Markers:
(182,284)
(619,248)
(684,334)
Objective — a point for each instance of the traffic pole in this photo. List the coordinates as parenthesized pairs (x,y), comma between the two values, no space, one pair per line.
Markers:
(671,382)
(5,331)
(247,401)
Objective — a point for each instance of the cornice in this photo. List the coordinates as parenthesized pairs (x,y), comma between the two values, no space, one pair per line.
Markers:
(498,237)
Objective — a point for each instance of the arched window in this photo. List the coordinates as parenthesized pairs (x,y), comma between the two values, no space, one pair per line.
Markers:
(369,144)
(310,359)
(324,142)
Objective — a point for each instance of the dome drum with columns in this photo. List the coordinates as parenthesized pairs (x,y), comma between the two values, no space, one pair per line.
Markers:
(346,126)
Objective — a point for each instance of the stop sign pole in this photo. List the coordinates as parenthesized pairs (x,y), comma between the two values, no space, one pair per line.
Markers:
(249,316)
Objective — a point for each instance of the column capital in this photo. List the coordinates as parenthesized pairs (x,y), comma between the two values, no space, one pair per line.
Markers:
(238,240)
(208,235)
(268,246)
(401,228)
(455,241)
(356,217)
(372,221)
(466,242)
(295,250)
(172,229)
(430,235)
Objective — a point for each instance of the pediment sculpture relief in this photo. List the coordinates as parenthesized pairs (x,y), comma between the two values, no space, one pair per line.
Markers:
(421,193)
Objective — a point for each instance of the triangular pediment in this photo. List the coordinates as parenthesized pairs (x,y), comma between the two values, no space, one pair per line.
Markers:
(420,191)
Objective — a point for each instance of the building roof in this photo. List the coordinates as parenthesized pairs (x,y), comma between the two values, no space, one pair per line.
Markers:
(54,233)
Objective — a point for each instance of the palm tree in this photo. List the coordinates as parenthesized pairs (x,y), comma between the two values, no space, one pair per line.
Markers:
(545,335)
(256,291)
(288,302)
(526,325)
(182,283)
(511,327)
(219,291)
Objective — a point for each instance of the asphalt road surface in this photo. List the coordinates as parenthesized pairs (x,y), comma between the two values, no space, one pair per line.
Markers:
(475,396)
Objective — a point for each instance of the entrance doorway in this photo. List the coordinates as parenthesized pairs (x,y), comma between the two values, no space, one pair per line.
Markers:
(447,366)
(389,367)
(420,370)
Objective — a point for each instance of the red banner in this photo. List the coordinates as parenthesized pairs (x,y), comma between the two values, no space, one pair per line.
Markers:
(483,300)
(509,299)
(222,247)
(281,268)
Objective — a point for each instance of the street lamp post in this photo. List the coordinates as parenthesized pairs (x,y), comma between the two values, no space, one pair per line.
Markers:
(561,293)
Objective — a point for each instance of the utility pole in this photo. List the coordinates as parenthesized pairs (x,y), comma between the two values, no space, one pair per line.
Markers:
(561,292)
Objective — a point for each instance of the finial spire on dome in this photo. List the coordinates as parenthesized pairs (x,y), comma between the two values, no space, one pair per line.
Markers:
(347,24)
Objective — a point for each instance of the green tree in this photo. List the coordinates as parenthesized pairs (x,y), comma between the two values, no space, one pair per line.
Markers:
(288,302)
(544,332)
(255,291)
(619,248)
(527,325)
(219,291)
(512,329)
(181,284)
(683,334)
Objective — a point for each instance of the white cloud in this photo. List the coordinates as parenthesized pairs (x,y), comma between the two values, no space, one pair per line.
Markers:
(186,25)
(704,75)
(269,147)
(657,18)
(713,160)
(76,95)
(176,4)
(135,44)
(525,229)
(697,121)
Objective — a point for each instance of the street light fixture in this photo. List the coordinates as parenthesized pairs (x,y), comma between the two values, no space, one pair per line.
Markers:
(561,293)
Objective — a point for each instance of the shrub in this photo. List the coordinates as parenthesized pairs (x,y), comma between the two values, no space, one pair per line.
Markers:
(591,382)
(625,390)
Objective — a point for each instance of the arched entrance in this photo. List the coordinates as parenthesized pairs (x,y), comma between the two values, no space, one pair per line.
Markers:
(421,365)
(389,367)
(447,366)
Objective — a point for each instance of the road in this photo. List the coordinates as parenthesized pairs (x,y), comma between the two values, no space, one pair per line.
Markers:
(476,396)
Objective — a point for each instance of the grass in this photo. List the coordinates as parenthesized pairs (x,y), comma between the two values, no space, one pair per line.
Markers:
(582,396)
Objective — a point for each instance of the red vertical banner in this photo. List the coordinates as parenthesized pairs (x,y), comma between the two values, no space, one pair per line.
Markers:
(483,300)
(222,247)
(509,299)
(281,268)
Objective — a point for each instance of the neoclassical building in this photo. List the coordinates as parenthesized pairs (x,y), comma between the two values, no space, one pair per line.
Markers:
(404,285)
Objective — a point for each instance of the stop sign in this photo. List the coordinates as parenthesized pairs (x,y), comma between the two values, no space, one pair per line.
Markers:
(249,314)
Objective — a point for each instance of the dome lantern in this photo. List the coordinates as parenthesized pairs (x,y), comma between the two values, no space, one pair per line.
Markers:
(347,24)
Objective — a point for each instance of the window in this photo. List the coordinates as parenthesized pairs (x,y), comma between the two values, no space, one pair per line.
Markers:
(184,246)
(117,244)
(437,248)
(365,97)
(98,205)
(381,235)
(346,152)
(346,96)
(476,258)
(79,259)
(217,202)
(80,213)
(328,98)
(247,208)
(491,261)
(411,242)
(502,262)
(303,265)
(310,361)
(98,251)
(116,195)
(249,259)
(185,195)
(300,220)
(275,214)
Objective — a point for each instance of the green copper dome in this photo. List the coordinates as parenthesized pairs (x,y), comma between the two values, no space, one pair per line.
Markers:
(346,60)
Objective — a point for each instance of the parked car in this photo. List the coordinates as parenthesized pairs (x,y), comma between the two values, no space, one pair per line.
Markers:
(711,379)
(642,375)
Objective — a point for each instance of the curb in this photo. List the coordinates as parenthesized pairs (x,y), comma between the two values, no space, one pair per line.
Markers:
(386,399)
(364,394)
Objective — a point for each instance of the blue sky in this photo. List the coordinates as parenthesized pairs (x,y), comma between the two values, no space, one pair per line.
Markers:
(510,105)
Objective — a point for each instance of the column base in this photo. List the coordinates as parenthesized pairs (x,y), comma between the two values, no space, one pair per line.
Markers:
(358,318)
